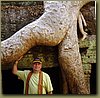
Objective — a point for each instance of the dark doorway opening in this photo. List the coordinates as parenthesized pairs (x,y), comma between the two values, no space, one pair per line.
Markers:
(12,85)
(93,78)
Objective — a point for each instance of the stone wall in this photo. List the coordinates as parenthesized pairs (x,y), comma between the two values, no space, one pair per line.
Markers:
(88,55)
(15,15)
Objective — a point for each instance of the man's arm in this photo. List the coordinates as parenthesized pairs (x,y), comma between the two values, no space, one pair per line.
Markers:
(49,87)
(14,70)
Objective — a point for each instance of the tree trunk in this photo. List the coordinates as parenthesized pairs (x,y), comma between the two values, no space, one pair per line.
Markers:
(49,29)
(58,23)
(70,62)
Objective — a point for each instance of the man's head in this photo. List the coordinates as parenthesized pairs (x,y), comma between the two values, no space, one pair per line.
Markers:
(37,64)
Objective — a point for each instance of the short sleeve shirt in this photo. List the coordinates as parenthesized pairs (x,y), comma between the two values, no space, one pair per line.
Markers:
(33,82)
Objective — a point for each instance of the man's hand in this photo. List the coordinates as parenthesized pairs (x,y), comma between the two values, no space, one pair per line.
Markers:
(50,92)
(20,58)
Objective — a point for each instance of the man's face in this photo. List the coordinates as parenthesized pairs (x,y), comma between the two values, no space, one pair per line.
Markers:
(37,66)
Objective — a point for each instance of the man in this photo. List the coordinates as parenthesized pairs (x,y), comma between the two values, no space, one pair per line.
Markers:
(35,81)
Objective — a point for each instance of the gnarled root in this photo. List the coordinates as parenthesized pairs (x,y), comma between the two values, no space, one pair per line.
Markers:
(82,22)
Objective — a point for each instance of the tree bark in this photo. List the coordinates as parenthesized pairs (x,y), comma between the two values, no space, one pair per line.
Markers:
(70,62)
(49,29)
